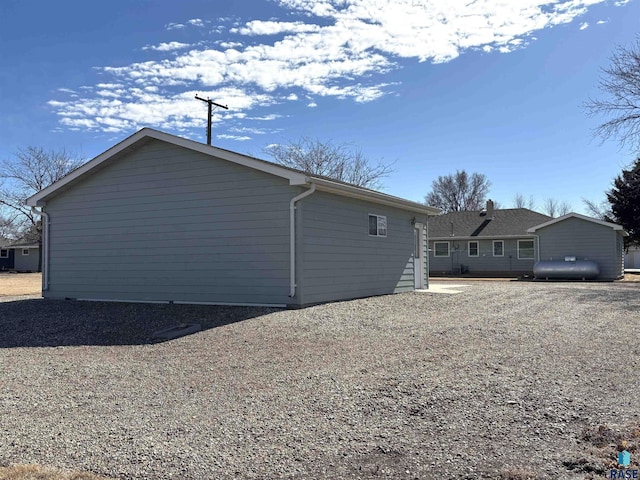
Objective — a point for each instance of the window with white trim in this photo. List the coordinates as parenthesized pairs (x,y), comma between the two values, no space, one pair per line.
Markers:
(440,249)
(525,250)
(4,253)
(25,251)
(474,249)
(498,248)
(377,225)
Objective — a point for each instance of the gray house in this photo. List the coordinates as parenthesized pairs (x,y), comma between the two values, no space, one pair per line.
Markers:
(509,242)
(490,242)
(22,257)
(159,218)
(583,238)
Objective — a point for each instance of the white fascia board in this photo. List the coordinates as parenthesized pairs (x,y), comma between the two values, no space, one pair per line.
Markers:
(371,196)
(295,178)
(615,226)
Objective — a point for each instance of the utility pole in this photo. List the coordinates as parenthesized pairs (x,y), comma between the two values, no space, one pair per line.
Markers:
(210,104)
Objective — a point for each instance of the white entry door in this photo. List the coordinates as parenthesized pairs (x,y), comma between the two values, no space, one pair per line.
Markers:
(418,253)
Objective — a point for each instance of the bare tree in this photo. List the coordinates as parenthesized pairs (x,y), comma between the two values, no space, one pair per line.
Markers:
(554,208)
(459,192)
(600,210)
(31,170)
(621,84)
(341,162)
(8,226)
(519,201)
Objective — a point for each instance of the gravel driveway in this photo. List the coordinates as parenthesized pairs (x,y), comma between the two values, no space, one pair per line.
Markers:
(506,380)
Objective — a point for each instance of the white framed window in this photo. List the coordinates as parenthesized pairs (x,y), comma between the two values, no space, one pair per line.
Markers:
(4,253)
(498,248)
(525,250)
(25,251)
(474,249)
(440,249)
(377,225)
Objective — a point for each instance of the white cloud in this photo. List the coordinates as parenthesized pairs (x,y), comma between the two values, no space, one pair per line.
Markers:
(228,45)
(584,25)
(239,138)
(259,27)
(194,22)
(342,49)
(167,47)
(601,22)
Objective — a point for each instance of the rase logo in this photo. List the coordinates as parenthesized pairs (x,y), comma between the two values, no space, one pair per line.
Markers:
(624,459)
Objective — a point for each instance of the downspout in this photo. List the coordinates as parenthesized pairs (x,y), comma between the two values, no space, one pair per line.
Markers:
(428,260)
(45,247)
(292,236)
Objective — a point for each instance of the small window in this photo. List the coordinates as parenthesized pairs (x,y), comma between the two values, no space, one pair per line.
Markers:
(474,249)
(498,248)
(377,225)
(441,249)
(525,249)
(4,253)
(25,251)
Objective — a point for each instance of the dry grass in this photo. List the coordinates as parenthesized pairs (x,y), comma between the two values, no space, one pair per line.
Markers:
(12,284)
(631,277)
(37,472)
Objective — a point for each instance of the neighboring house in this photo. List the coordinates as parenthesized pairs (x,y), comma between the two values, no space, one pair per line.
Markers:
(583,238)
(22,257)
(632,258)
(491,242)
(159,218)
(510,242)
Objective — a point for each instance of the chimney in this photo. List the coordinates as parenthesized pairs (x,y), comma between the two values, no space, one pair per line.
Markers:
(489,208)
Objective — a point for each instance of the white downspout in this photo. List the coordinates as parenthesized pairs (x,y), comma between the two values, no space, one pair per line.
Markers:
(45,247)
(292,237)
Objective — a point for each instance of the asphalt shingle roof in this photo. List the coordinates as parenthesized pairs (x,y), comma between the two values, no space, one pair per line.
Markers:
(503,222)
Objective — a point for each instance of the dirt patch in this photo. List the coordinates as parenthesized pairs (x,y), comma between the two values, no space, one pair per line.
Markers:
(631,277)
(37,472)
(13,284)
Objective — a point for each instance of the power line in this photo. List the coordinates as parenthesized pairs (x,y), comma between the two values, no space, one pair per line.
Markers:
(210,103)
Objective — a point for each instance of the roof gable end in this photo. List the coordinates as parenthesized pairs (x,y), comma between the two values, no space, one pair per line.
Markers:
(295,178)
(553,221)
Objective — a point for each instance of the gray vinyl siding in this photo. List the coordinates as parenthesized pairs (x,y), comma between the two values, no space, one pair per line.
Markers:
(26,263)
(485,262)
(169,224)
(586,241)
(632,259)
(340,260)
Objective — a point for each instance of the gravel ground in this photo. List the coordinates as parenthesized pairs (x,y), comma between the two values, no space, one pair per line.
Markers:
(508,380)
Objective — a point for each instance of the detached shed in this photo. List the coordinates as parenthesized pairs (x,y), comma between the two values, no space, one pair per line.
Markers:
(583,238)
(159,218)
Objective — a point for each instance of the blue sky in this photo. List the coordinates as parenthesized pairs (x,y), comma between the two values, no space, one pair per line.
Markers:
(490,86)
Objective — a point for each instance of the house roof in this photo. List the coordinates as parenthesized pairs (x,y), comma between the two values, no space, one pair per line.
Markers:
(7,244)
(509,222)
(553,221)
(295,177)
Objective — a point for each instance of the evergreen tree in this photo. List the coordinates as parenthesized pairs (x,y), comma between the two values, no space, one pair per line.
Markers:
(624,198)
